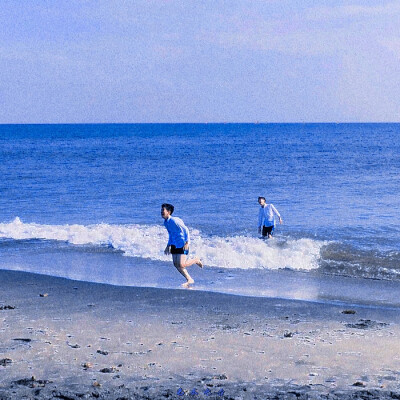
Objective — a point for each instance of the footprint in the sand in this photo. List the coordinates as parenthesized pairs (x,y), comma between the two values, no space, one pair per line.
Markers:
(32,382)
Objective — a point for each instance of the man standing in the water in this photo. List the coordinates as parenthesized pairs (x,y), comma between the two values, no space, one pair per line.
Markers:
(266,218)
(178,243)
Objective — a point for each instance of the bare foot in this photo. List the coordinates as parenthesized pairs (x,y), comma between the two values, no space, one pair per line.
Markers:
(188,283)
(200,264)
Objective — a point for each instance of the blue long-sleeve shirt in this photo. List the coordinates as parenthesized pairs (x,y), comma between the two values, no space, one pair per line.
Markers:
(178,232)
(266,216)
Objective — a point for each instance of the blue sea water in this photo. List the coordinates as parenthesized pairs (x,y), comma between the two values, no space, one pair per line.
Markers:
(83,201)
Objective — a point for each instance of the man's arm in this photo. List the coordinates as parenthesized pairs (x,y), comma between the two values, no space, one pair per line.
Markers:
(185,231)
(168,248)
(260,219)
(276,212)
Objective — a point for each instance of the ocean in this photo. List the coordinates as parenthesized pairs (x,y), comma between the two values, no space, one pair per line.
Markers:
(83,202)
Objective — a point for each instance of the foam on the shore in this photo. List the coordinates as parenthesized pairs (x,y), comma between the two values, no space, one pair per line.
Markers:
(148,241)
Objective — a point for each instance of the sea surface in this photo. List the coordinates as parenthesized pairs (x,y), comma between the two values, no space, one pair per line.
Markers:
(83,202)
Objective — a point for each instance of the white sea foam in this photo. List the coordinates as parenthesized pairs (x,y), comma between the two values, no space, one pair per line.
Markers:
(148,241)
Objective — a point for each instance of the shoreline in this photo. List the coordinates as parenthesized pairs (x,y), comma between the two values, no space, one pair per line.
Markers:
(91,340)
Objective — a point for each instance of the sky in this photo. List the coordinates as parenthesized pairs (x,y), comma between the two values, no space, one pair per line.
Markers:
(199,61)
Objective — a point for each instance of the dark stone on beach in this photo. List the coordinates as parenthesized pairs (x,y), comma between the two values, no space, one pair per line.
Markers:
(366,324)
(74,346)
(5,361)
(23,340)
(103,352)
(288,334)
(108,370)
(7,307)
(358,383)
(348,312)
(43,294)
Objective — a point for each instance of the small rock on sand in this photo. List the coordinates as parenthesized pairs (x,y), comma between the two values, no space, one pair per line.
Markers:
(7,307)
(108,370)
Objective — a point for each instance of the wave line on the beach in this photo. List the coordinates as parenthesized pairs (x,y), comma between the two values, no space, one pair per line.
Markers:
(148,241)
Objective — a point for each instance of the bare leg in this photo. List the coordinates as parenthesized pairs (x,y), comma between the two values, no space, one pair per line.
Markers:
(185,262)
(181,264)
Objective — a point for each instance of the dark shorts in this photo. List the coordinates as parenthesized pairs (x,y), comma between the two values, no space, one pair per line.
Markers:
(178,250)
(267,230)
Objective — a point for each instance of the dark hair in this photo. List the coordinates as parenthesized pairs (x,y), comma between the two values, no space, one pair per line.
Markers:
(168,207)
(262,198)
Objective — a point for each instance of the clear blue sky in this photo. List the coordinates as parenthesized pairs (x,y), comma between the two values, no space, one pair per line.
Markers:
(199,61)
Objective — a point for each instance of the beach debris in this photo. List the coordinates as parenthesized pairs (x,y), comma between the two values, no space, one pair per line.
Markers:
(5,361)
(287,334)
(96,384)
(103,352)
(359,384)
(220,377)
(43,294)
(87,365)
(23,340)
(7,307)
(74,346)
(348,312)
(109,370)
(32,382)
(366,324)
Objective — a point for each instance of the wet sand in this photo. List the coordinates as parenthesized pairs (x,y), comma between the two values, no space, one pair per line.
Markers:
(67,339)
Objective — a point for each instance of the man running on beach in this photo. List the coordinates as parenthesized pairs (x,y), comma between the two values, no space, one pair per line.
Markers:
(266,218)
(178,243)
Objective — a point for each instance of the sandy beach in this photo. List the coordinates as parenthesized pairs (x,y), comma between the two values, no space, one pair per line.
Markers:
(69,339)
